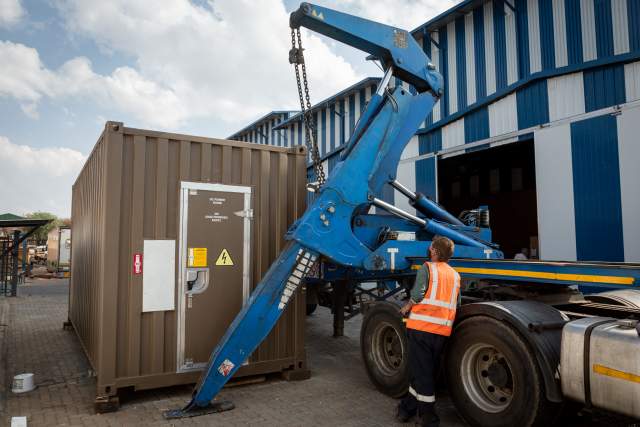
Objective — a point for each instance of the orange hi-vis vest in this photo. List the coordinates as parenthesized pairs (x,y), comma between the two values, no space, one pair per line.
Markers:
(437,310)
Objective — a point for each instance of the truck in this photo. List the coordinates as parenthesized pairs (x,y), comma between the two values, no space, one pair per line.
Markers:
(529,336)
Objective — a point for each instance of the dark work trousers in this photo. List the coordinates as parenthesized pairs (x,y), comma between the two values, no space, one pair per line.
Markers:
(424,356)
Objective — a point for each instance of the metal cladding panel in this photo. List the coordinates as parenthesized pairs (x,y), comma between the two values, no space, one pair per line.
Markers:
(127,192)
(629,153)
(564,94)
(632,81)
(604,87)
(532,105)
(596,189)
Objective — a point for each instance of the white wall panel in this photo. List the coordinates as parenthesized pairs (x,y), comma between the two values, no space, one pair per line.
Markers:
(489,48)
(588,21)
(566,96)
(620,26)
(412,149)
(632,81)
(554,188)
(451,68)
(512,50)
(337,124)
(453,134)
(406,174)
(629,153)
(158,275)
(533,22)
(503,116)
(559,33)
(471,58)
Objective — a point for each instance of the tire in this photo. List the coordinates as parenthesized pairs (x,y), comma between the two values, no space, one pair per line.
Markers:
(493,377)
(383,344)
(311,308)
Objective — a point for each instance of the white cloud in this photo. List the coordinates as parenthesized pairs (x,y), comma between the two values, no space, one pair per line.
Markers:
(37,179)
(11,12)
(226,61)
(25,79)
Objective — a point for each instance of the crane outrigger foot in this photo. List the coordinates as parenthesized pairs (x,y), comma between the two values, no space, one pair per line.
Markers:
(195,411)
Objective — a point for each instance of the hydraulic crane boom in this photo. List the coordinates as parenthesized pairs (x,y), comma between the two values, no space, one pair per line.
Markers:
(391,118)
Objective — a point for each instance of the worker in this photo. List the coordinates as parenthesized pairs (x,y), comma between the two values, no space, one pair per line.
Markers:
(431,311)
(522,255)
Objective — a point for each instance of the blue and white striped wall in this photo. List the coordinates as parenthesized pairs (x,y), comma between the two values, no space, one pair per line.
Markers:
(263,130)
(488,49)
(335,117)
(587,180)
(585,128)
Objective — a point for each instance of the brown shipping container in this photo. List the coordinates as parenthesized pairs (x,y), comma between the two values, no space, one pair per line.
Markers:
(171,233)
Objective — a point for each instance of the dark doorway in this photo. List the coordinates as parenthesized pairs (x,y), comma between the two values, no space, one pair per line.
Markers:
(503,178)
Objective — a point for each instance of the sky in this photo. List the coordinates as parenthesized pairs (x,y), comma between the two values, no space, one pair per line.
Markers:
(198,67)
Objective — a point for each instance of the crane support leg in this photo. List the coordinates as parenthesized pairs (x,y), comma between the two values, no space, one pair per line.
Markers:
(250,328)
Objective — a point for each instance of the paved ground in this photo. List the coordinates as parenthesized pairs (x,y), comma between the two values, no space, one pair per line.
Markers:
(338,393)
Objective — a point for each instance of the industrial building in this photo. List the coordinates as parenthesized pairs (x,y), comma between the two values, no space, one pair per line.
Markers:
(537,121)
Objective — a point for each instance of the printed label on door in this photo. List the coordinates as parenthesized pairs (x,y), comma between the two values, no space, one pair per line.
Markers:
(224,258)
(197,257)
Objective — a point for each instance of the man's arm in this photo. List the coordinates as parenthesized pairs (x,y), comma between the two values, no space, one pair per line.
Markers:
(418,290)
(421,284)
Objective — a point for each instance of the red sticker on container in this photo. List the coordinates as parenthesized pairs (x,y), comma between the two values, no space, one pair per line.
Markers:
(137,263)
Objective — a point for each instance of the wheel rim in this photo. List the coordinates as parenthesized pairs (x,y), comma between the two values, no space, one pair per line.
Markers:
(387,349)
(487,377)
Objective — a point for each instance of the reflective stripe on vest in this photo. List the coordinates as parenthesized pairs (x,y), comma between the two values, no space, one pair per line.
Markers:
(432,314)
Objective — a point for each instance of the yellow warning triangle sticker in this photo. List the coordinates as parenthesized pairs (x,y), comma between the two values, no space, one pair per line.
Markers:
(224,258)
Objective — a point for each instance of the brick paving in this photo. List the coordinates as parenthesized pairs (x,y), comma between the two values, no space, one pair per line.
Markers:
(338,393)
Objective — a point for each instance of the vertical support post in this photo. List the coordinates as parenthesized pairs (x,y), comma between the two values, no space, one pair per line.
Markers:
(24,255)
(339,299)
(14,272)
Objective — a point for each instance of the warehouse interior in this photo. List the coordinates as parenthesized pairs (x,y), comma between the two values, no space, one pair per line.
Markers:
(502,178)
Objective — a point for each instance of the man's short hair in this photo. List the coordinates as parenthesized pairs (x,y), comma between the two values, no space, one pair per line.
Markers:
(443,246)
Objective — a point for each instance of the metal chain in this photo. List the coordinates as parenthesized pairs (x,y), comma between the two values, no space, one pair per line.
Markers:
(296,58)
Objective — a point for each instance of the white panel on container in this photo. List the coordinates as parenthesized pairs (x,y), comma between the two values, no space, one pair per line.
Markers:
(451,71)
(632,81)
(629,153)
(412,148)
(512,50)
(503,116)
(554,188)
(566,96)
(489,48)
(159,275)
(588,21)
(533,21)
(620,26)
(471,58)
(406,175)
(453,134)
(559,33)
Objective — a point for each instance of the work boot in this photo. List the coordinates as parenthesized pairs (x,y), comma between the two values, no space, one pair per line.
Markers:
(402,416)
(427,416)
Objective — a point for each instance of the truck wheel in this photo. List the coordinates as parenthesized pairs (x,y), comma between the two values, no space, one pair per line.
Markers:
(493,377)
(383,343)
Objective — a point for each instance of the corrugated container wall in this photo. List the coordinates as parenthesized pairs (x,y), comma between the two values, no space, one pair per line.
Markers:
(128,193)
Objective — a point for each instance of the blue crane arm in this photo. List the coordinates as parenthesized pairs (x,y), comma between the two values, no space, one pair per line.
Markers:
(391,118)
(394,47)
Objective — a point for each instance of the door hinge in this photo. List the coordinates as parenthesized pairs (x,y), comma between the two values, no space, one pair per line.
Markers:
(248,213)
